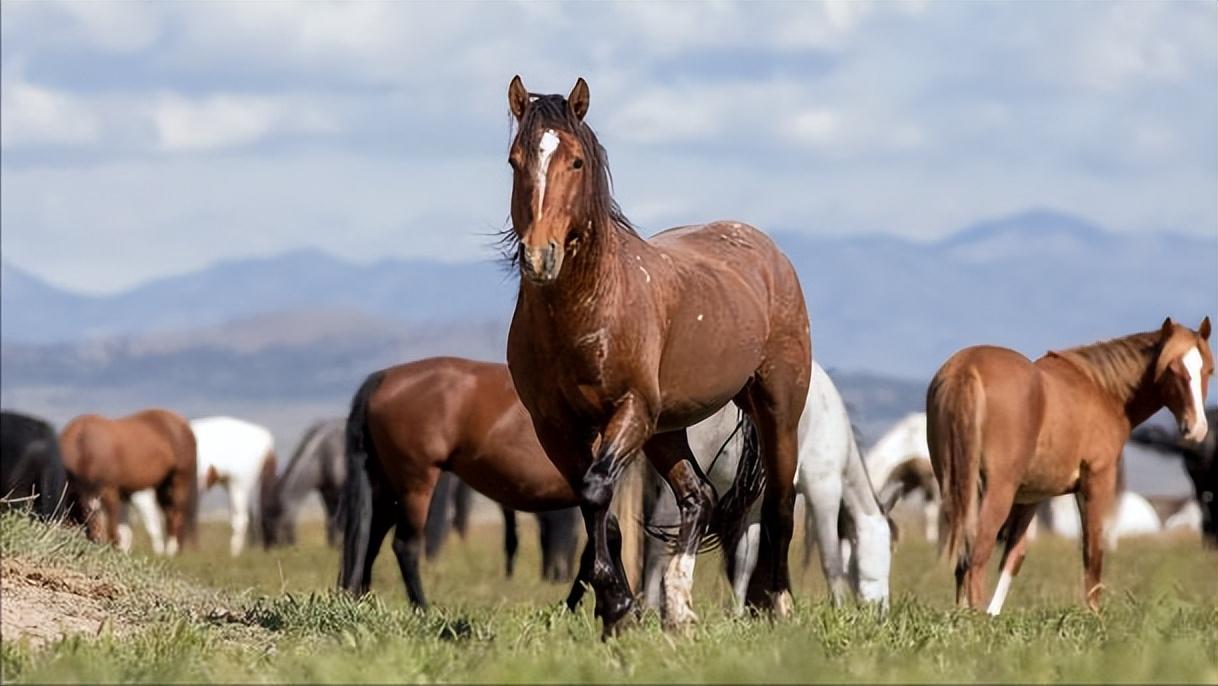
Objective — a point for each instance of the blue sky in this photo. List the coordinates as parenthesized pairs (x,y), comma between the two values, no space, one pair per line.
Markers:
(143,139)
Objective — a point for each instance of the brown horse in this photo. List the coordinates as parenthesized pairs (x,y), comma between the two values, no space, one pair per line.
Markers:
(1019,432)
(618,343)
(411,422)
(109,459)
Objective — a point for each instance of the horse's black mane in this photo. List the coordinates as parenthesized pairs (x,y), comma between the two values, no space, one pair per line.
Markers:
(553,112)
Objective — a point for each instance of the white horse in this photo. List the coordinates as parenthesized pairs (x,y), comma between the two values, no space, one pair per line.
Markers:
(830,475)
(237,454)
(900,463)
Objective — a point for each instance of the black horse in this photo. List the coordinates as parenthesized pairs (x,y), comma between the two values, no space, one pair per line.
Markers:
(31,468)
(1199,462)
(558,529)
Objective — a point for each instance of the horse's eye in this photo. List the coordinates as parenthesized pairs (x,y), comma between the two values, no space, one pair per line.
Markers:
(577,164)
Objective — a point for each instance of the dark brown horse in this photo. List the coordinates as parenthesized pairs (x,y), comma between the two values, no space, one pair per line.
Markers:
(411,422)
(1019,432)
(618,343)
(109,459)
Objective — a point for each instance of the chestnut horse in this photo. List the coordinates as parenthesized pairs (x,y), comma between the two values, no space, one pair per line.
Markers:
(411,422)
(110,459)
(1006,433)
(618,344)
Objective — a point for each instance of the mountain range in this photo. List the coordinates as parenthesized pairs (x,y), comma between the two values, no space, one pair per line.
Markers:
(878,303)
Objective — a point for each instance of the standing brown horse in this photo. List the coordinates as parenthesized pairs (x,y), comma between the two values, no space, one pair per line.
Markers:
(618,343)
(1019,432)
(109,459)
(411,422)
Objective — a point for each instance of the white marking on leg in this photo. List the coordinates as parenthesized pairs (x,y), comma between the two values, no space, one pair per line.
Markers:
(124,537)
(678,582)
(1000,593)
(171,548)
(545,148)
(1192,365)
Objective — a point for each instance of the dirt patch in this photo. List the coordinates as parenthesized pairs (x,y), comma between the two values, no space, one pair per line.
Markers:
(43,604)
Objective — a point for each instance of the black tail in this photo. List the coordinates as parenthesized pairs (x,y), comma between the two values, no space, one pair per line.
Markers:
(728,516)
(355,505)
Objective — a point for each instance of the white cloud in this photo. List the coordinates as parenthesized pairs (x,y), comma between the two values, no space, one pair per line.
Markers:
(31,115)
(226,121)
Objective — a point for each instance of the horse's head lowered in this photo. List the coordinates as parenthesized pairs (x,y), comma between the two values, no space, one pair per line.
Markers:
(1182,374)
(560,181)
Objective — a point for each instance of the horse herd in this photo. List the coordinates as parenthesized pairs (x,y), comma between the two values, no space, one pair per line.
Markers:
(691,350)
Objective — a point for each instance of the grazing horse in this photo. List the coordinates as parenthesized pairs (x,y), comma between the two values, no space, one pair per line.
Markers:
(318,464)
(31,469)
(1201,463)
(899,465)
(556,529)
(1006,433)
(833,480)
(237,454)
(411,422)
(617,344)
(109,459)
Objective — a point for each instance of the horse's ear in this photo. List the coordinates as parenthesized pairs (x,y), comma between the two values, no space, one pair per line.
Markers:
(578,99)
(518,97)
(1204,329)
(1166,330)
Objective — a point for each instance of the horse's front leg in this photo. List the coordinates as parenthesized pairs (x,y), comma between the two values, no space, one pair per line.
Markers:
(1096,497)
(671,454)
(631,424)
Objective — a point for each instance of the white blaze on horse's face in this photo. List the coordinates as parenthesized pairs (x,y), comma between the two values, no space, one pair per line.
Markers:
(545,150)
(1192,366)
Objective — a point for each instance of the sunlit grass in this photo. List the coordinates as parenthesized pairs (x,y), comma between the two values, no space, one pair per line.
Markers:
(284,623)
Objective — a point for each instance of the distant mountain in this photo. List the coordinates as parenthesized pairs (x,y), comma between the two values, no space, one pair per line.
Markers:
(1032,281)
(411,291)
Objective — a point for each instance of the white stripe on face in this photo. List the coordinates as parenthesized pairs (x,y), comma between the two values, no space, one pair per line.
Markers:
(1192,365)
(545,149)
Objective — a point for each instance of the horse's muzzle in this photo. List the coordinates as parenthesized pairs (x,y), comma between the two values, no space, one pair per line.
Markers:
(541,264)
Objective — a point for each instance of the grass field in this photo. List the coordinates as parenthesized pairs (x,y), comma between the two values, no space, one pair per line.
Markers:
(270,617)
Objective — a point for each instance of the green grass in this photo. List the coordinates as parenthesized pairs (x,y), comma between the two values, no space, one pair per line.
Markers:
(1159,622)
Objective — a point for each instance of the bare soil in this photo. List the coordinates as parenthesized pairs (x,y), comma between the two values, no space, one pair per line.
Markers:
(42,605)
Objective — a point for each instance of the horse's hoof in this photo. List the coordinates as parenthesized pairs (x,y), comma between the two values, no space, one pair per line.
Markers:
(782,605)
(615,627)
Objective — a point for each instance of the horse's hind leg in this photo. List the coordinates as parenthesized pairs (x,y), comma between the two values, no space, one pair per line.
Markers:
(408,543)
(774,403)
(511,541)
(671,455)
(996,505)
(145,504)
(1012,556)
(824,499)
(175,496)
(239,514)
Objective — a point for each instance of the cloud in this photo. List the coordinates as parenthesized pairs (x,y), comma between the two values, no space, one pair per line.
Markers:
(319,123)
(34,115)
(226,121)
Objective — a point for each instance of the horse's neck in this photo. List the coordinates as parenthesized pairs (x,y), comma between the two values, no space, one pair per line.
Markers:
(591,282)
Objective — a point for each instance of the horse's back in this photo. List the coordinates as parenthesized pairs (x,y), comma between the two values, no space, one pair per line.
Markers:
(234,447)
(29,458)
(1009,383)
(728,246)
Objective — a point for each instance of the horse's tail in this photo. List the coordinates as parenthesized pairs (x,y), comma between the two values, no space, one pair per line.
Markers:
(356,503)
(955,407)
(728,516)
